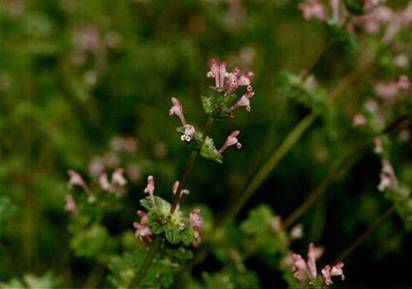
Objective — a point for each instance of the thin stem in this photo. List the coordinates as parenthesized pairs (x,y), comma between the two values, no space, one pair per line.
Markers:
(271,162)
(355,244)
(185,175)
(321,187)
(177,196)
(147,262)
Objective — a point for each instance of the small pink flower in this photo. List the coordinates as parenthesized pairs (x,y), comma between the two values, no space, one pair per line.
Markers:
(359,120)
(312,9)
(118,179)
(104,183)
(75,180)
(175,187)
(387,177)
(126,144)
(142,230)
(231,140)
(296,232)
(177,110)
(189,133)
(244,101)
(403,82)
(70,204)
(328,272)
(302,270)
(150,188)
(218,72)
(196,222)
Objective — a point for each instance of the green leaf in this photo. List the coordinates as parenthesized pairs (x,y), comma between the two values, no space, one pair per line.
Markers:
(209,151)
(173,235)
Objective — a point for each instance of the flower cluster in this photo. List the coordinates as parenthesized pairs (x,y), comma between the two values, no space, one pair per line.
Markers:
(305,271)
(115,186)
(158,218)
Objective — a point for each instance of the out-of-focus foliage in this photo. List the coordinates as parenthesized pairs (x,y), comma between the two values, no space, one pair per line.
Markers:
(86,85)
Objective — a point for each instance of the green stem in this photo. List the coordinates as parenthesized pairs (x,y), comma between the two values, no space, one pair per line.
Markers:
(271,163)
(177,196)
(355,244)
(321,187)
(147,262)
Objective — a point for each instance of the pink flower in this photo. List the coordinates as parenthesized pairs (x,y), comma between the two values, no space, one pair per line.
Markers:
(104,183)
(328,272)
(70,204)
(228,81)
(231,140)
(372,21)
(175,187)
(296,232)
(403,82)
(177,110)
(218,72)
(76,180)
(196,222)
(142,230)
(387,177)
(359,119)
(189,133)
(305,270)
(126,144)
(312,9)
(118,179)
(244,101)
(150,188)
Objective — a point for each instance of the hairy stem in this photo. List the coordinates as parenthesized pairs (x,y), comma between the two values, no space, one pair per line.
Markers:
(147,262)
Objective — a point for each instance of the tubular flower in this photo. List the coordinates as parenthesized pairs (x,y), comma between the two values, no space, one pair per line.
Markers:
(231,140)
(328,272)
(142,230)
(387,177)
(75,180)
(70,204)
(312,9)
(306,270)
(104,183)
(177,110)
(118,179)
(150,188)
(196,222)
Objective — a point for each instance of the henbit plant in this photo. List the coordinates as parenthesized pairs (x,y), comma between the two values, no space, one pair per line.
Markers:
(165,230)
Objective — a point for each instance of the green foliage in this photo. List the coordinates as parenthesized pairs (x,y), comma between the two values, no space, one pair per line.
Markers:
(7,211)
(217,104)
(209,151)
(264,234)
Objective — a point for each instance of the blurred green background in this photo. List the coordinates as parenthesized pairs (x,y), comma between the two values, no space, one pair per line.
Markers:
(76,73)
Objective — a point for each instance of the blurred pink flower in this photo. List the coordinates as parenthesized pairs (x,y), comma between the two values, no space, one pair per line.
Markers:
(177,110)
(70,204)
(328,272)
(305,270)
(231,140)
(387,177)
(150,188)
(76,180)
(142,230)
(118,179)
(312,9)
(196,222)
